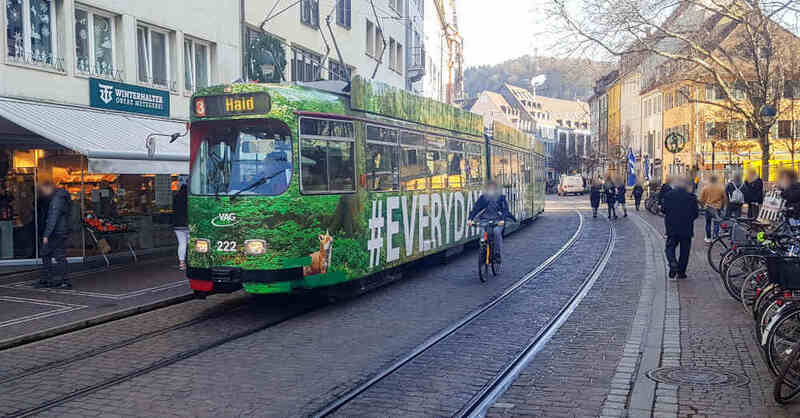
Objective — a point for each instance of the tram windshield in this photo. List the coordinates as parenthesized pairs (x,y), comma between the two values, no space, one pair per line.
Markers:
(246,157)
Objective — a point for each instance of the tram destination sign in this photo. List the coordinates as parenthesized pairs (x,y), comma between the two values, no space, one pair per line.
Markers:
(231,105)
(105,94)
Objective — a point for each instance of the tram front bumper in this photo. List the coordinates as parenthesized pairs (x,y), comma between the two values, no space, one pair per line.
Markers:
(225,279)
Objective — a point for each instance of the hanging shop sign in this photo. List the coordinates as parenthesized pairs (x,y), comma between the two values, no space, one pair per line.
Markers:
(104,94)
(675,142)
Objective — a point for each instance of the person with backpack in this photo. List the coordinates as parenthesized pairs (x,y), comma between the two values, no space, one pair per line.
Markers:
(735,192)
(610,195)
(54,237)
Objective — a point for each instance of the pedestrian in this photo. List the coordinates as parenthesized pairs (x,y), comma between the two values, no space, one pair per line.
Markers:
(665,188)
(54,237)
(180,221)
(638,191)
(713,198)
(790,193)
(754,195)
(610,195)
(680,212)
(735,192)
(621,196)
(595,195)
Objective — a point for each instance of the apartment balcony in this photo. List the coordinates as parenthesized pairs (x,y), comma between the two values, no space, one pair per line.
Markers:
(416,64)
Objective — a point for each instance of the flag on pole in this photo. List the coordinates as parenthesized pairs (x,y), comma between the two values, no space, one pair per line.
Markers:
(631,168)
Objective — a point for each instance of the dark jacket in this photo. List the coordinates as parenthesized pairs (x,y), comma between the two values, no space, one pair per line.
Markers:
(754,192)
(729,191)
(58,214)
(680,211)
(665,188)
(610,192)
(638,191)
(621,193)
(180,219)
(791,197)
(496,209)
(595,195)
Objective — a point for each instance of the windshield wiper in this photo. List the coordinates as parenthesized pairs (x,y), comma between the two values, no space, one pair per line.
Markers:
(260,181)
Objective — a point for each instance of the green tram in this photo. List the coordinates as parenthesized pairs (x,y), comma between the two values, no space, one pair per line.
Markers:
(297,187)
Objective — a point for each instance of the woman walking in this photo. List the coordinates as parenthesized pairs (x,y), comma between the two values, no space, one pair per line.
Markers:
(610,194)
(595,195)
(180,221)
(621,196)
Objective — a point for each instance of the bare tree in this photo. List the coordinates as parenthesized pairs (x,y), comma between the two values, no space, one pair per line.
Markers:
(738,48)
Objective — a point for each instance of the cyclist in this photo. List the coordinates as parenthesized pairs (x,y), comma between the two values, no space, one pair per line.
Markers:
(492,206)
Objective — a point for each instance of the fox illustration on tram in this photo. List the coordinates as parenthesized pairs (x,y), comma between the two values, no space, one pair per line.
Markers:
(299,187)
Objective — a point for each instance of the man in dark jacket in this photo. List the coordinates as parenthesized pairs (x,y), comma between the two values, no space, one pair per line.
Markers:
(754,193)
(790,193)
(492,206)
(680,211)
(54,237)
(621,190)
(665,188)
(638,191)
(610,195)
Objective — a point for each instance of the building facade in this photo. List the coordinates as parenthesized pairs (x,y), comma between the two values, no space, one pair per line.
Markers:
(90,95)
(315,40)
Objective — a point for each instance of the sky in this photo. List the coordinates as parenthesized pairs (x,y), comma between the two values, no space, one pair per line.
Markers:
(495,30)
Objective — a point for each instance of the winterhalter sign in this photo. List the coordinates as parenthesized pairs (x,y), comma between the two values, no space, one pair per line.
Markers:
(105,94)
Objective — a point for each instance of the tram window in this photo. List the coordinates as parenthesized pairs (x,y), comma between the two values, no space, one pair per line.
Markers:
(497,164)
(413,171)
(412,139)
(315,165)
(341,167)
(474,168)
(437,161)
(382,169)
(526,169)
(515,169)
(326,127)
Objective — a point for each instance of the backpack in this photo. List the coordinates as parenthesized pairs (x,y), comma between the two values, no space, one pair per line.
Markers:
(736,195)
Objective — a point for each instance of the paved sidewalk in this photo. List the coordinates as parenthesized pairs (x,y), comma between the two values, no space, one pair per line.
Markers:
(98,295)
(717,346)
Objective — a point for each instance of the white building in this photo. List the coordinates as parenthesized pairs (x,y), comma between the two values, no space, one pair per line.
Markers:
(434,83)
(651,132)
(370,42)
(82,85)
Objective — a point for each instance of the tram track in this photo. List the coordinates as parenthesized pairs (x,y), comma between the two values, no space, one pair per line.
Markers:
(497,385)
(166,361)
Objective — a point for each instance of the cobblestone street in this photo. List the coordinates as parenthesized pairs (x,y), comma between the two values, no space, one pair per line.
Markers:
(580,314)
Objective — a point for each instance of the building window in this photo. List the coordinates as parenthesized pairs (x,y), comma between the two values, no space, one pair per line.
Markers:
(343,13)
(30,29)
(397,5)
(392,54)
(370,38)
(784,129)
(153,56)
(338,71)
(306,66)
(327,155)
(94,43)
(196,61)
(309,13)
(399,61)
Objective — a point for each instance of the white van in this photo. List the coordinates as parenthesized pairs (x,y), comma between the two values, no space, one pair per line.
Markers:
(570,185)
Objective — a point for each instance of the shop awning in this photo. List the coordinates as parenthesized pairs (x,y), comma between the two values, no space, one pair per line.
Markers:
(112,142)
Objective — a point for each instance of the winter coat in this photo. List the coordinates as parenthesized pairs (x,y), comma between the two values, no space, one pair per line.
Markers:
(665,188)
(610,192)
(680,211)
(621,193)
(180,218)
(638,191)
(754,192)
(791,197)
(492,209)
(58,214)
(595,195)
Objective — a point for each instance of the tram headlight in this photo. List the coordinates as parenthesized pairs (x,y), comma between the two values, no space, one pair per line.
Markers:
(202,245)
(255,247)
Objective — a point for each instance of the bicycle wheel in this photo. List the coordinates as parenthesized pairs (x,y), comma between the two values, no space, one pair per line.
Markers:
(738,269)
(749,292)
(770,311)
(781,346)
(781,381)
(767,295)
(717,250)
(495,266)
(726,261)
(483,266)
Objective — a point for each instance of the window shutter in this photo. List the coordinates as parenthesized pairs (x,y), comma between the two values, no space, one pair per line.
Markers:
(347,12)
(316,14)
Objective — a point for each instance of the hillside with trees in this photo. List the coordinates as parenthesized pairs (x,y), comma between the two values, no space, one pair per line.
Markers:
(567,78)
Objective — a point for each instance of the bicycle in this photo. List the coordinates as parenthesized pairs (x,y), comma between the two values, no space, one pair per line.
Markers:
(486,255)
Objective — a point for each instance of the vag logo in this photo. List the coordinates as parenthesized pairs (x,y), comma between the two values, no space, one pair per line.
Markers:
(223,220)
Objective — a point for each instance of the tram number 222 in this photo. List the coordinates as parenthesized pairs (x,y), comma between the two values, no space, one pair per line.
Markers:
(226,246)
